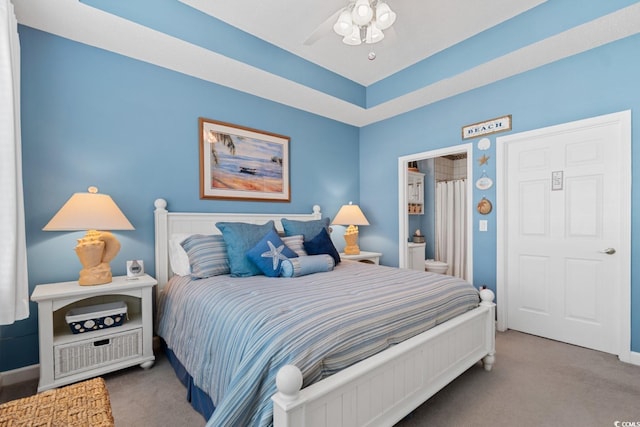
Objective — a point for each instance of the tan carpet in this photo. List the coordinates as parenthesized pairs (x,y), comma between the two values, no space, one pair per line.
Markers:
(535,382)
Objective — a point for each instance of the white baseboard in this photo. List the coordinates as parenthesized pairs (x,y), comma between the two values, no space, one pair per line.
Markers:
(632,357)
(19,375)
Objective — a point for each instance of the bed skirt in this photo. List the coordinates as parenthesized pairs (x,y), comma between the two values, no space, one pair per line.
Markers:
(200,401)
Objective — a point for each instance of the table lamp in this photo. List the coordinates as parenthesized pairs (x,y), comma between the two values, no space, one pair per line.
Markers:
(92,211)
(352,216)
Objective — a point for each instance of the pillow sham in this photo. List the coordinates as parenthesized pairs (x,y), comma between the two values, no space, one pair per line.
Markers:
(178,258)
(207,255)
(240,237)
(301,266)
(269,253)
(295,244)
(322,244)
(309,229)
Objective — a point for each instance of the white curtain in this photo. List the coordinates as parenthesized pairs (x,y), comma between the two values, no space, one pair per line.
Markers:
(451,226)
(14,287)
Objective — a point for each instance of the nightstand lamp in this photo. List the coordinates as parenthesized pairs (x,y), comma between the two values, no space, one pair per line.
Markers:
(352,216)
(92,211)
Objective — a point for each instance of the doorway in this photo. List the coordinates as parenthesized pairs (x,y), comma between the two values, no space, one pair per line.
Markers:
(563,215)
(404,233)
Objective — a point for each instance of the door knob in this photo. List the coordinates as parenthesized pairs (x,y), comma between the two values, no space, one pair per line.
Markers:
(609,251)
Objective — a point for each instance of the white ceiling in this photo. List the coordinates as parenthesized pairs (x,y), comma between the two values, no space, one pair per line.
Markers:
(422,28)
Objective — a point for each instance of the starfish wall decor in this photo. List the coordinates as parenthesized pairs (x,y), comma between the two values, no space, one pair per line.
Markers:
(483,160)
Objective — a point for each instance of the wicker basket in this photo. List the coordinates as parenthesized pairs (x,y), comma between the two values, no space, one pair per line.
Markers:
(77,405)
(81,356)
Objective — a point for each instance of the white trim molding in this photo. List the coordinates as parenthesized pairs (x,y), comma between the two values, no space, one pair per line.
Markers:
(76,21)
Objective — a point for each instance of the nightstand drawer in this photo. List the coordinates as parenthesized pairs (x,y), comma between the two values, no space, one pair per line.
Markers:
(80,356)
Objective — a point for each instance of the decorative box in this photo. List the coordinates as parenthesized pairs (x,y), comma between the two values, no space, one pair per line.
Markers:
(96,317)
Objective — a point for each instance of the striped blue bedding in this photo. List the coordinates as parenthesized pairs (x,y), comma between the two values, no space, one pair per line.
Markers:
(232,334)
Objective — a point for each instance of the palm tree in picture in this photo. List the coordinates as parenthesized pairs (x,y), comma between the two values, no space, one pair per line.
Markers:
(224,139)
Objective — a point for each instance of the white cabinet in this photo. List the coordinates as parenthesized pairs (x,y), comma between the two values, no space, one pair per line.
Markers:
(415,193)
(416,256)
(66,357)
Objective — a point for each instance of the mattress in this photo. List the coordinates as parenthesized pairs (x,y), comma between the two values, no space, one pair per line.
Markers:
(233,334)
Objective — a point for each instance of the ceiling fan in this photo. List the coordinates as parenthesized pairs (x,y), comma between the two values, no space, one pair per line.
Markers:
(361,21)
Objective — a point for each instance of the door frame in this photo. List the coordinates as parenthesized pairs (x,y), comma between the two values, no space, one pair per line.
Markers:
(403,216)
(623,119)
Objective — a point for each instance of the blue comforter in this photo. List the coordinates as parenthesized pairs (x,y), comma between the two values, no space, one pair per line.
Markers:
(233,334)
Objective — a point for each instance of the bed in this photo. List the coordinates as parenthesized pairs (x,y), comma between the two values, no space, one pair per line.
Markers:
(353,373)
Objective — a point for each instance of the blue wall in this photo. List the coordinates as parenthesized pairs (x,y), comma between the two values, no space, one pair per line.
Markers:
(600,81)
(91,117)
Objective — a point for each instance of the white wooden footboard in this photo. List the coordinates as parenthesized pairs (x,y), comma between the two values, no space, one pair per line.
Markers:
(384,388)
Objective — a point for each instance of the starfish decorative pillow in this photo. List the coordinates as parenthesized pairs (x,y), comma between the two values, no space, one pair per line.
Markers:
(269,253)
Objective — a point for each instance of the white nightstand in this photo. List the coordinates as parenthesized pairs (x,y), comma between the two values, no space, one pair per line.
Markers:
(363,256)
(66,357)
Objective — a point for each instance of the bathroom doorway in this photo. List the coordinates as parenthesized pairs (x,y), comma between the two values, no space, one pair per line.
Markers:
(425,162)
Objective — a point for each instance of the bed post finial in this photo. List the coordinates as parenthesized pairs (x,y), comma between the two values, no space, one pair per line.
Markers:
(160,204)
(486,296)
(289,382)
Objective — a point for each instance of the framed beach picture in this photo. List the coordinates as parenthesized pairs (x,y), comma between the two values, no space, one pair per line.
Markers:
(242,163)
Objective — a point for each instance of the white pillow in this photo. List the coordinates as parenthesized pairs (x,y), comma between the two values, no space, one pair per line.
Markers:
(178,259)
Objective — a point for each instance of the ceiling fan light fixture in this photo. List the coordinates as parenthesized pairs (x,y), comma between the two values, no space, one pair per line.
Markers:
(344,24)
(354,38)
(362,12)
(374,34)
(385,17)
(363,21)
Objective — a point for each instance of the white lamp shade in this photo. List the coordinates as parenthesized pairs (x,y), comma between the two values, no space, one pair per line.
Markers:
(362,12)
(353,39)
(385,17)
(350,215)
(374,34)
(344,24)
(89,211)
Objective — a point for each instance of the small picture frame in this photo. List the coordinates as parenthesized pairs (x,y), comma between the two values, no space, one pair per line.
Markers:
(135,268)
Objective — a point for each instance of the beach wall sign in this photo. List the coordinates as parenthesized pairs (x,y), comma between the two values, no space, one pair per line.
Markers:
(499,124)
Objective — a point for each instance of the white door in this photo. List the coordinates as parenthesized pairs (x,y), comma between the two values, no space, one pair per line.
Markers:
(566,213)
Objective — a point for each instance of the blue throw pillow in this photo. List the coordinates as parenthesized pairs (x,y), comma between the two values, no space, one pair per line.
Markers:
(269,253)
(301,266)
(240,237)
(309,229)
(322,244)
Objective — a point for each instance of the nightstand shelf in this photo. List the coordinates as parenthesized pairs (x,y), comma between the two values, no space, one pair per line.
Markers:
(66,357)
(63,334)
(363,256)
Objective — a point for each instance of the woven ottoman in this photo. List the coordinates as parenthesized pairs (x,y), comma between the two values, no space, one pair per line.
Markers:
(82,404)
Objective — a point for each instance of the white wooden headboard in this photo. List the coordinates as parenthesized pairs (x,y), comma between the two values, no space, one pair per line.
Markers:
(169,223)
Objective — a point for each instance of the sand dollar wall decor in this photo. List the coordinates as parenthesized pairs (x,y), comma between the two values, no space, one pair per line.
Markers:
(484,206)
